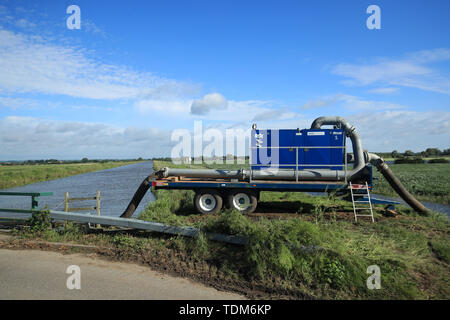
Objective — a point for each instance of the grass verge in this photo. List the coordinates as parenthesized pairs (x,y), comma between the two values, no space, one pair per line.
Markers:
(15,176)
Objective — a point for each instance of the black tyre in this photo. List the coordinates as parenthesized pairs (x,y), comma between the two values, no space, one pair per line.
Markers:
(208,202)
(242,201)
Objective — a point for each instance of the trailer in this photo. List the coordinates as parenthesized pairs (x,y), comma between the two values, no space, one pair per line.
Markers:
(211,195)
(279,160)
(307,160)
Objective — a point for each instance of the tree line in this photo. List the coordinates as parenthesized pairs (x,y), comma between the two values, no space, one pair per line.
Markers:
(429,152)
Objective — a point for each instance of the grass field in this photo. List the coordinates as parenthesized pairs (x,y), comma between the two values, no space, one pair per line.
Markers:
(19,175)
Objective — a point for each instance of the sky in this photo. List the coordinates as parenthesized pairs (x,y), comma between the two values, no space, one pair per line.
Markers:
(137,71)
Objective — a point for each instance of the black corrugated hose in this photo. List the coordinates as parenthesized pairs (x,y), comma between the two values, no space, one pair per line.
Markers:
(398,187)
(139,194)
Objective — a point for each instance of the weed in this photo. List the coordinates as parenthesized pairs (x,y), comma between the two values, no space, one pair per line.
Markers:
(128,243)
(40,220)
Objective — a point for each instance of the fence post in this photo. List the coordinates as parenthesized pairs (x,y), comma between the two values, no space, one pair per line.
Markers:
(66,202)
(98,202)
(98,205)
(34,203)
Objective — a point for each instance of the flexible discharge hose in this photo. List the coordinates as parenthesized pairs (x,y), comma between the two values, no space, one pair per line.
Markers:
(139,194)
(395,183)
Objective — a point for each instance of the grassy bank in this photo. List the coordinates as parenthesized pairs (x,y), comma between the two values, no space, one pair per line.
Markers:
(299,247)
(15,176)
(412,251)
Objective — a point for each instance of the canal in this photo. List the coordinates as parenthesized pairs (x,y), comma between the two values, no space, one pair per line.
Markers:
(117,187)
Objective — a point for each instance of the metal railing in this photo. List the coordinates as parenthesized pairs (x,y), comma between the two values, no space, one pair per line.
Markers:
(117,221)
(34,200)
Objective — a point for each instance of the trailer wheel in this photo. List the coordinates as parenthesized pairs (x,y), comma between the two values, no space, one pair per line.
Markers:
(208,202)
(244,202)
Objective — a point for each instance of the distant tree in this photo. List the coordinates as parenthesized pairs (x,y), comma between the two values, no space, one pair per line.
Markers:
(84,159)
(409,153)
(432,152)
(394,154)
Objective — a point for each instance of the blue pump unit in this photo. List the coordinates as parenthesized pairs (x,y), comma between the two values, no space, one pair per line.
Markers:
(291,148)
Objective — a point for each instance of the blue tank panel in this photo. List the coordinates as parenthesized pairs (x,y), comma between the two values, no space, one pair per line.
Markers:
(314,157)
(337,153)
(282,148)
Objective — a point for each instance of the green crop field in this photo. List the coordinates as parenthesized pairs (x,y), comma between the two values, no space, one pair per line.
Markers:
(428,182)
(19,175)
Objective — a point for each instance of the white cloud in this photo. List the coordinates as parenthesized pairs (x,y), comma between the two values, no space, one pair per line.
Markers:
(322,102)
(33,64)
(239,111)
(389,90)
(349,103)
(17,103)
(92,28)
(275,114)
(354,103)
(34,138)
(24,24)
(209,102)
(410,71)
(402,130)
(168,107)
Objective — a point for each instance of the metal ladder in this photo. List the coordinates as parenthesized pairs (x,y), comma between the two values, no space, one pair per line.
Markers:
(355,208)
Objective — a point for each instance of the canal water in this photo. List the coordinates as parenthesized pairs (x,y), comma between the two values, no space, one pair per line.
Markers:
(117,186)
(430,205)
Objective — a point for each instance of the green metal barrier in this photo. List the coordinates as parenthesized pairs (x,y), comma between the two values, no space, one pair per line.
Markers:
(34,200)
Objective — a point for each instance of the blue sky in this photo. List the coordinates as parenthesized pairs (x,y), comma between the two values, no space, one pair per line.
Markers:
(137,70)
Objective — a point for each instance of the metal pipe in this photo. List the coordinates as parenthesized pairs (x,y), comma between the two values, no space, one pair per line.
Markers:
(350,131)
(201,173)
(306,174)
(244,175)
